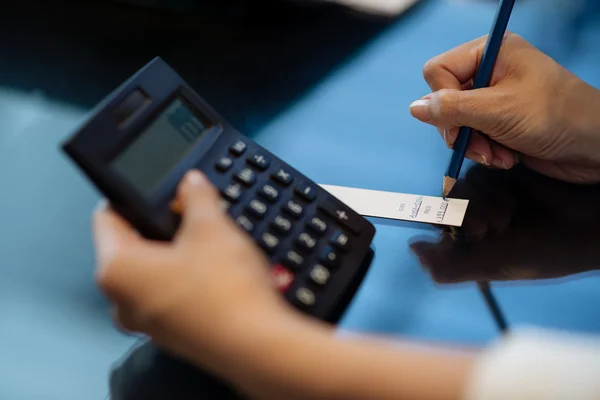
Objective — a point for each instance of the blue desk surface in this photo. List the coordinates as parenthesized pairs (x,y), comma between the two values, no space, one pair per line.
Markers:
(354,129)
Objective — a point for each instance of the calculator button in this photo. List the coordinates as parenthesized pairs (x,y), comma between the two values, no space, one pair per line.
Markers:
(293,259)
(282,278)
(225,204)
(306,241)
(293,208)
(246,176)
(340,240)
(319,275)
(342,215)
(224,164)
(330,257)
(257,208)
(245,223)
(268,241)
(233,192)
(281,224)
(269,193)
(283,177)
(317,225)
(307,192)
(259,160)
(238,148)
(305,297)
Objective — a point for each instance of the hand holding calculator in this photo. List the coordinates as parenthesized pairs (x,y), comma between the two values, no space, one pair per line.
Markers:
(139,143)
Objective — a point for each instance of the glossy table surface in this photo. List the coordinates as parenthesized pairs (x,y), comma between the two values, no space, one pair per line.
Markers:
(351,127)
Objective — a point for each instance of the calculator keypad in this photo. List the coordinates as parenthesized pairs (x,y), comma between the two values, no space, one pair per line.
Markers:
(306,241)
(319,275)
(294,260)
(330,257)
(269,192)
(257,208)
(232,192)
(246,176)
(317,225)
(245,223)
(259,161)
(282,278)
(306,191)
(269,241)
(342,215)
(282,225)
(305,235)
(293,208)
(283,177)
(238,148)
(340,240)
(224,164)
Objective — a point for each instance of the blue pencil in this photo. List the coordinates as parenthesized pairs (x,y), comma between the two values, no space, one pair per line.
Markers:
(482,79)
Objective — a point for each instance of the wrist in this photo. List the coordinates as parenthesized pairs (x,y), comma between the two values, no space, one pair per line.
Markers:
(583,111)
(277,353)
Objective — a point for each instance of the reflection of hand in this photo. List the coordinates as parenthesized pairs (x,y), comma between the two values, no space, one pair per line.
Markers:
(533,107)
(519,225)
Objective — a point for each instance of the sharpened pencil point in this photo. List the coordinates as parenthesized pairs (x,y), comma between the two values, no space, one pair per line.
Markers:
(447,186)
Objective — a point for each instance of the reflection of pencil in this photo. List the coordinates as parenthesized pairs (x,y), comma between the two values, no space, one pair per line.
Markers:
(486,293)
(482,79)
(454,233)
(490,300)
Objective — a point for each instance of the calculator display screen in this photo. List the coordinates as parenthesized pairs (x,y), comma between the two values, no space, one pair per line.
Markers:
(157,149)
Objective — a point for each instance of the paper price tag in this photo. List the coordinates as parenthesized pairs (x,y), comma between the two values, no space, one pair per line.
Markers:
(401,206)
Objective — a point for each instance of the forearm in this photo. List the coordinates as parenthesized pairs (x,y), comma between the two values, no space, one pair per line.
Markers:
(301,360)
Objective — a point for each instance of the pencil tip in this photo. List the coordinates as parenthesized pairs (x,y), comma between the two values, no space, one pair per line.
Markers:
(447,186)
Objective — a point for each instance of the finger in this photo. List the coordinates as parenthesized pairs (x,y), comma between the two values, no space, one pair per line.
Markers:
(479,109)
(458,66)
(111,233)
(503,157)
(199,200)
(449,136)
(455,67)
(126,263)
(479,149)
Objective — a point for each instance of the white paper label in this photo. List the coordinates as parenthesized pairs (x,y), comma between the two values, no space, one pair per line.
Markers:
(401,206)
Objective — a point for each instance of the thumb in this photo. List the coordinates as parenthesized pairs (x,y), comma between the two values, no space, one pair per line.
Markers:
(198,201)
(480,109)
(124,258)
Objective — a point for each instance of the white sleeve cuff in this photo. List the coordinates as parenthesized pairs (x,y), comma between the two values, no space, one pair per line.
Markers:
(533,364)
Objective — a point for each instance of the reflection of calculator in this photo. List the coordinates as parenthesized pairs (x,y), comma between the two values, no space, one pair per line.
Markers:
(139,143)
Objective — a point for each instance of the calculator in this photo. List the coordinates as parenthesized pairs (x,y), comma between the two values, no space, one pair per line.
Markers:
(139,142)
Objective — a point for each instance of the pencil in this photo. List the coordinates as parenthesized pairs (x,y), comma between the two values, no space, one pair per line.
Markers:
(482,79)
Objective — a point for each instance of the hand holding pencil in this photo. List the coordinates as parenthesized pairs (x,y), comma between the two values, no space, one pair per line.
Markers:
(534,110)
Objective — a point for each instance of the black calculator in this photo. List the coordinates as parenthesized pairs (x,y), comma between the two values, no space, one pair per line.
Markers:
(140,141)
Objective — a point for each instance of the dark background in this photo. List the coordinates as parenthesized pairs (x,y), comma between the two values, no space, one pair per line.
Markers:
(250,59)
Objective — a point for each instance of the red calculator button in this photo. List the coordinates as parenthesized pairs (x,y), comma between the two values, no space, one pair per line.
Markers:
(282,278)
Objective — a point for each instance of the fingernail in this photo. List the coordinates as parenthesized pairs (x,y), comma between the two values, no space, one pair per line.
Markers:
(516,158)
(480,158)
(499,163)
(194,177)
(446,136)
(420,109)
